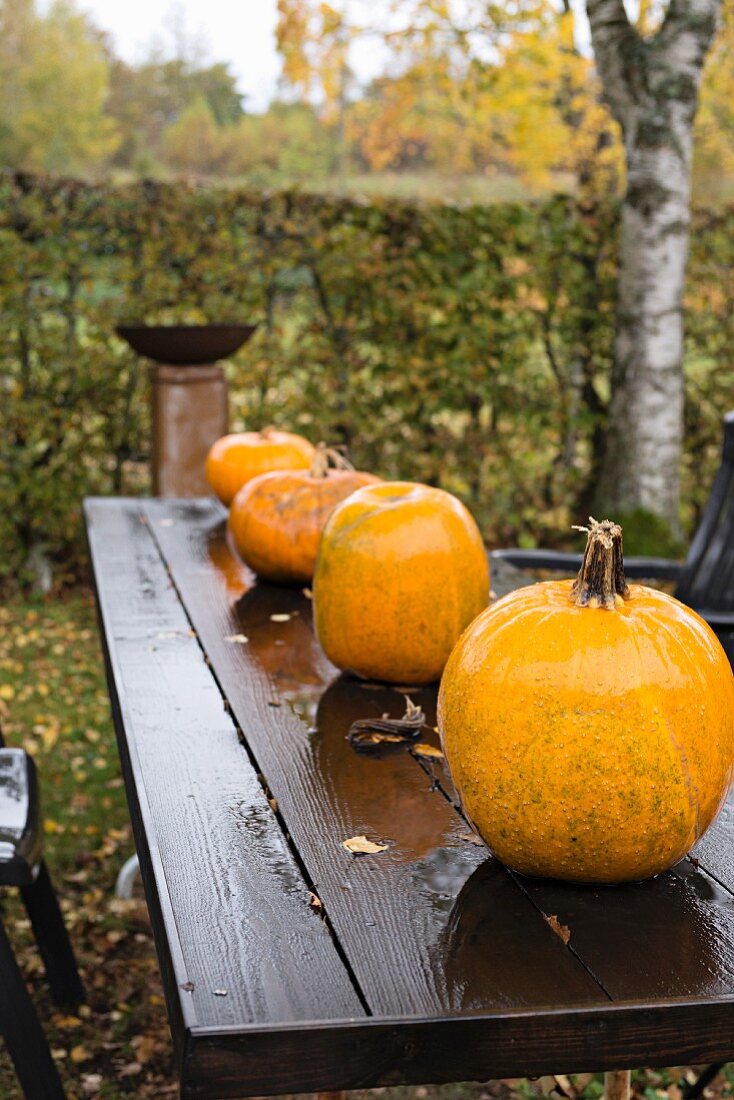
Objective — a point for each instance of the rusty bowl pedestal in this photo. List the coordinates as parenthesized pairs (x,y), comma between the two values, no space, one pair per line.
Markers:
(189,406)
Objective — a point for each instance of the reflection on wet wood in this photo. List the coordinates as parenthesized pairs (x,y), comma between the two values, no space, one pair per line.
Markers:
(389,911)
(243,786)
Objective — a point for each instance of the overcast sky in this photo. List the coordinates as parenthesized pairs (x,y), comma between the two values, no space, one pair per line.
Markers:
(241,32)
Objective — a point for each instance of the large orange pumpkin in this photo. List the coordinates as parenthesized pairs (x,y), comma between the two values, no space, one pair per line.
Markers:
(401,571)
(589,726)
(276,519)
(234,459)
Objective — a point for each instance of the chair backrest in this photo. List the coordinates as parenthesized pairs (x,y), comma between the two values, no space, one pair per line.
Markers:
(707,579)
(21,835)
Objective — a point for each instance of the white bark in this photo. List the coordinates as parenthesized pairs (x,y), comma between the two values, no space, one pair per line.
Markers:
(652,88)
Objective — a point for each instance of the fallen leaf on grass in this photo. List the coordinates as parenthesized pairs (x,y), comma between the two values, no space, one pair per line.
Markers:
(360,845)
(66,1021)
(422,749)
(238,639)
(560,930)
(130,1070)
(79,1054)
(145,1047)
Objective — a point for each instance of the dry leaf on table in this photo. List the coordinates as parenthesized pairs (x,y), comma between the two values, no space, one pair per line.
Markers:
(472,838)
(560,930)
(360,845)
(423,749)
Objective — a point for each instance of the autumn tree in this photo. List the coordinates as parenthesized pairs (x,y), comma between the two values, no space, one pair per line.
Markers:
(54,80)
(651,83)
(194,144)
(314,41)
(713,152)
(146,99)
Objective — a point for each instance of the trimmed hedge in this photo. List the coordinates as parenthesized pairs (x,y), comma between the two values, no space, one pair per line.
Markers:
(465,347)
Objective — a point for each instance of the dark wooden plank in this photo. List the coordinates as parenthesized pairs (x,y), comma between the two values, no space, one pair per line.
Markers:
(403,917)
(234,905)
(471,1048)
(670,937)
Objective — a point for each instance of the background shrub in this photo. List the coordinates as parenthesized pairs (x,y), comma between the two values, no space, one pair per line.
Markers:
(468,347)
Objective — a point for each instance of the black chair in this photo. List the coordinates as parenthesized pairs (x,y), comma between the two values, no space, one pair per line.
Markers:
(705,580)
(22,865)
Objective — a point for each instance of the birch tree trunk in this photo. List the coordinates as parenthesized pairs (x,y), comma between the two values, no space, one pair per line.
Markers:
(651,85)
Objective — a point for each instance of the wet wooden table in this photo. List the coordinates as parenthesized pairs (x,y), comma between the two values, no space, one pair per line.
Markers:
(291,965)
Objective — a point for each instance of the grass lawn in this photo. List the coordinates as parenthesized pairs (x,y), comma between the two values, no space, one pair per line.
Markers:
(53,701)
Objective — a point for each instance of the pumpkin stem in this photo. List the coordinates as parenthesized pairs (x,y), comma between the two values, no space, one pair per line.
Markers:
(328,457)
(601,582)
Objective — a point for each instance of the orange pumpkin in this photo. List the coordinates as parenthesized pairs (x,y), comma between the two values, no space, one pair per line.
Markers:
(276,519)
(401,571)
(589,726)
(234,459)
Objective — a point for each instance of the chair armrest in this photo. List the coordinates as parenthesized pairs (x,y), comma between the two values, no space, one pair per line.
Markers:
(560,562)
(665,569)
(717,620)
(539,559)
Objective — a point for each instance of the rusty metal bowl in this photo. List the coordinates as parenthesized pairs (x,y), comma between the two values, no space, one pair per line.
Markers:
(185,345)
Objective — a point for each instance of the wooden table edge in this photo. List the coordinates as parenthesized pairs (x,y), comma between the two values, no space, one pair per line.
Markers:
(182,1016)
(378,1052)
